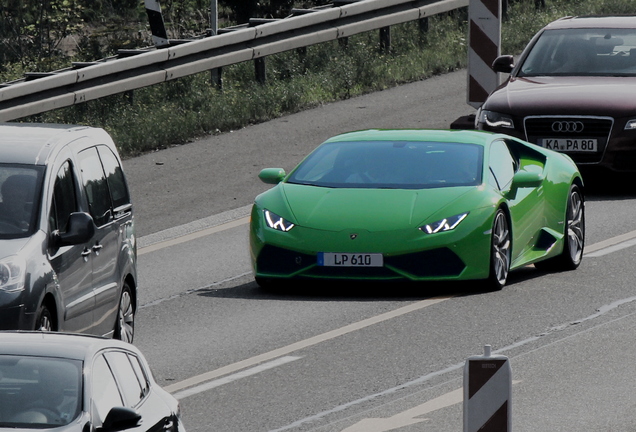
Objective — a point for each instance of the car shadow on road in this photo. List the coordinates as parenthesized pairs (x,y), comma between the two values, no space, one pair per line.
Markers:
(609,185)
(328,290)
(304,290)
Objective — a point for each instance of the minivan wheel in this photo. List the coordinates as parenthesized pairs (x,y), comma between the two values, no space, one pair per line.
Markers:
(44,321)
(125,324)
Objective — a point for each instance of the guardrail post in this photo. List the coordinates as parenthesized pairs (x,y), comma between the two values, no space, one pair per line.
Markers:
(423,24)
(487,393)
(385,40)
(215,74)
(259,67)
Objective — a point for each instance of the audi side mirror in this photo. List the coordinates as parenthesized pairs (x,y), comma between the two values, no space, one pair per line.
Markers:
(503,64)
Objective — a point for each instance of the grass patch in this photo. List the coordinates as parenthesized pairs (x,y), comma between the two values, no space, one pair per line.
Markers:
(176,112)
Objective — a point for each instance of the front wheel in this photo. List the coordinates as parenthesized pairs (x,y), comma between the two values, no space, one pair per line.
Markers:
(500,249)
(574,236)
(44,321)
(125,324)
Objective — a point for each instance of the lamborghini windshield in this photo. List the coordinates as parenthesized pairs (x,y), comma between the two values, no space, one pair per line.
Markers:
(391,165)
(581,52)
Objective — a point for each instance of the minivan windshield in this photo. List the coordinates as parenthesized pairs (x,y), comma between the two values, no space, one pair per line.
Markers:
(582,52)
(391,165)
(39,392)
(19,191)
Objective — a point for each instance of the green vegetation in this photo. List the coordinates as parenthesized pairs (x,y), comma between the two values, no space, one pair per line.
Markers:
(176,112)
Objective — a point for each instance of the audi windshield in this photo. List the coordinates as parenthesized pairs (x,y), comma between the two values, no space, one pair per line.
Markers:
(582,52)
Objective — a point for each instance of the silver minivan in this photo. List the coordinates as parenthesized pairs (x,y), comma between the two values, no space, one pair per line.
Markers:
(67,240)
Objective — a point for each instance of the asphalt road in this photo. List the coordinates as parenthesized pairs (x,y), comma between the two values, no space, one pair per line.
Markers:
(365,358)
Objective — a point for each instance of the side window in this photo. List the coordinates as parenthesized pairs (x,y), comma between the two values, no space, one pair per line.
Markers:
(142,375)
(64,198)
(104,389)
(96,186)
(115,177)
(126,377)
(502,164)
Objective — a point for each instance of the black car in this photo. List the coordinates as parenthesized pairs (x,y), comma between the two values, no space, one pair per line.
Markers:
(68,255)
(73,382)
(572,91)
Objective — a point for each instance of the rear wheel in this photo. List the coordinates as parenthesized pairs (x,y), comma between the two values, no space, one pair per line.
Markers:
(574,235)
(500,248)
(125,324)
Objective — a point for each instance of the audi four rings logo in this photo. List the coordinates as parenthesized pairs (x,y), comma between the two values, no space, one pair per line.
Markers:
(567,126)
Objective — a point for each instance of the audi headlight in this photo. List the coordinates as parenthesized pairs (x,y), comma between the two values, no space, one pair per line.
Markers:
(495,120)
(631,125)
(444,224)
(276,222)
(12,274)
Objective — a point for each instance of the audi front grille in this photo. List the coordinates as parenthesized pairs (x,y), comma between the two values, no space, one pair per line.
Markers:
(581,127)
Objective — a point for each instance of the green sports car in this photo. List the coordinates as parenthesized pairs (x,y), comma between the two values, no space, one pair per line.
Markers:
(419,205)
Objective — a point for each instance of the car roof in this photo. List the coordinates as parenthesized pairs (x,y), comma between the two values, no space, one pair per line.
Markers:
(34,143)
(53,344)
(438,135)
(594,21)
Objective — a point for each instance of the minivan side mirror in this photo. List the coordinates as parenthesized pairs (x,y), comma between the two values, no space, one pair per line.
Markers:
(503,64)
(272,175)
(119,419)
(80,229)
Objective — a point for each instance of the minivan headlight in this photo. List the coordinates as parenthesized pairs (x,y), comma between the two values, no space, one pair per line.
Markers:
(12,273)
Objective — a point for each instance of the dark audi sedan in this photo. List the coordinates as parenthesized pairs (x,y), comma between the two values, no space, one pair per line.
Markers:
(572,91)
(80,383)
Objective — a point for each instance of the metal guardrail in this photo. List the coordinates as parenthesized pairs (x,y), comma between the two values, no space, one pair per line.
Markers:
(89,81)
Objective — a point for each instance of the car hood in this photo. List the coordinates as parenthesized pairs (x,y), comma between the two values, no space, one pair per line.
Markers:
(604,96)
(10,247)
(369,209)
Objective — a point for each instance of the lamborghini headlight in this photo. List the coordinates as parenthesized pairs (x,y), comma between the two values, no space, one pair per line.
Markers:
(12,274)
(276,222)
(444,224)
(495,120)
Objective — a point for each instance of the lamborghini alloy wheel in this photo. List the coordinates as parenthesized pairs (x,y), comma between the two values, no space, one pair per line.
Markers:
(500,251)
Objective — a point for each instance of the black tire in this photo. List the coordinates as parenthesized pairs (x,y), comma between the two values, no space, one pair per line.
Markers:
(573,236)
(125,323)
(500,249)
(264,283)
(44,321)
(273,285)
